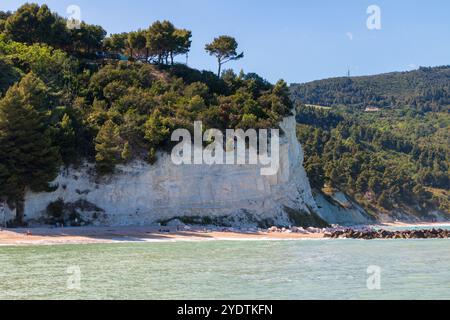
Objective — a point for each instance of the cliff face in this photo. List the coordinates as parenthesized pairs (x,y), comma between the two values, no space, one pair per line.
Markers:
(141,194)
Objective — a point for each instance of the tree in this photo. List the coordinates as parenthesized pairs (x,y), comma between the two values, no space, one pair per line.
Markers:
(58,34)
(182,43)
(54,67)
(160,40)
(3,16)
(9,75)
(165,41)
(34,91)
(156,129)
(224,48)
(87,37)
(108,147)
(116,42)
(32,23)
(315,170)
(127,152)
(95,36)
(66,139)
(383,201)
(137,43)
(28,158)
(284,105)
(29,23)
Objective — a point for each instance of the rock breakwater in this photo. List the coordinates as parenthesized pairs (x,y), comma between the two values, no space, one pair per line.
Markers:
(371,234)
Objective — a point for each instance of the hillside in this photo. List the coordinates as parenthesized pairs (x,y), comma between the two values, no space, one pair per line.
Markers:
(383,140)
(71,96)
(68,96)
(425,89)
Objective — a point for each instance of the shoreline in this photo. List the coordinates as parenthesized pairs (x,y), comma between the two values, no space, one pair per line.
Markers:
(111,235)
(114,235)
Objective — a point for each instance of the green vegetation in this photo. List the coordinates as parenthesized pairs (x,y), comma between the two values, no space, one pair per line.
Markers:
(28,160)
(224,49)
(63,103)
(160,43)
(395,159)
(32,24)
(425,89)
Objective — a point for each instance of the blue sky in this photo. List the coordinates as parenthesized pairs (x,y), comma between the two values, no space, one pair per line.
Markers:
(296,40)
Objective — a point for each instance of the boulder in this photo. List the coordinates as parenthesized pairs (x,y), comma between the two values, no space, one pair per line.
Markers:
(369,234)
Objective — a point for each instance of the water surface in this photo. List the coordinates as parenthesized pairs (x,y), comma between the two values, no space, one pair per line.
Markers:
(321,269)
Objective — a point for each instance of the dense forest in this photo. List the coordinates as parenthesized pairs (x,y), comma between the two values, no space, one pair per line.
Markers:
(425,89)
(70,95)
(383,140)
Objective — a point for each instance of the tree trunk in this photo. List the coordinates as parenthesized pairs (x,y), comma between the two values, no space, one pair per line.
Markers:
(20,208)
(220,69)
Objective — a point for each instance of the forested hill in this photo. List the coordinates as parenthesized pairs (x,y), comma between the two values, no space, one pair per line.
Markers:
(68,95)
(383,140)
(427,89)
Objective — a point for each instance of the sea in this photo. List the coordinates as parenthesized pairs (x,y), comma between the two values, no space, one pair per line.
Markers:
(229,270)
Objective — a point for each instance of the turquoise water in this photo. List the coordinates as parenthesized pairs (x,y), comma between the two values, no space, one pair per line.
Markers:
(324,269)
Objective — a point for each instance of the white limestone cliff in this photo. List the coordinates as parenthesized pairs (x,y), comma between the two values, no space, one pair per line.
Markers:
(141,194)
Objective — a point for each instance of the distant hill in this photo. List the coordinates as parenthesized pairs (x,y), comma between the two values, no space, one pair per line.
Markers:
(427,89)
(383,140)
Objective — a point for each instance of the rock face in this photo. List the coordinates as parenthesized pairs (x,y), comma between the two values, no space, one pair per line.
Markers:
(338,209)
(140,194)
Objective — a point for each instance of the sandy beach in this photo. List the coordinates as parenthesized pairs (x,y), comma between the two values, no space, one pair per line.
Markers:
(92,235)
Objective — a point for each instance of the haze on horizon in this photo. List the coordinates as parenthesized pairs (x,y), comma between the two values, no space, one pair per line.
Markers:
(298,41)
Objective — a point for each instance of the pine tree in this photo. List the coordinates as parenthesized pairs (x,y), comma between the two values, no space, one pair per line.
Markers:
(35,92)
(127,152)
(107,147)
(383,201)
(9,75)
(29,161)
(65,138)
(224,48)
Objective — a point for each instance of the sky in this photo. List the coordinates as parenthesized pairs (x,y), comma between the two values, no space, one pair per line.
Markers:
(294,40)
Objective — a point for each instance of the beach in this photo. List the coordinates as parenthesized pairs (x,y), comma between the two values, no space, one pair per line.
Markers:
(99,235)
(93,235)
